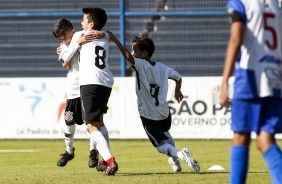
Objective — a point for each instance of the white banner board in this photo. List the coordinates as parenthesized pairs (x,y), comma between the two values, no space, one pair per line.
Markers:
(33,108)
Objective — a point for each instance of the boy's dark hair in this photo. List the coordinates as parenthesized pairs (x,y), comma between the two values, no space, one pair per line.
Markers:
(62,27)
(96,15)
(145,44)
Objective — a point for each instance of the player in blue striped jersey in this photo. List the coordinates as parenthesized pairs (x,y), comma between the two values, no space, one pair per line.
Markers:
(257,100)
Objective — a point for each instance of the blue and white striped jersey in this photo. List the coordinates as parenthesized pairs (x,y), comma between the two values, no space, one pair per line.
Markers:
(259,71)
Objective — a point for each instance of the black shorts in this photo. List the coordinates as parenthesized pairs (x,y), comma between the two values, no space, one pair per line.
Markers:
(73,113)
(155,129)
(94,101)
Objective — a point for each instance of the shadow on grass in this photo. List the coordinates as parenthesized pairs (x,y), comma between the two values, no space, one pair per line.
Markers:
(226,172)
(153,173)
(181,173)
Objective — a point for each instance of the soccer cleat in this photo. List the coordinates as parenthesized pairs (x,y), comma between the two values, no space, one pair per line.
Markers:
(93,158)
(65,158)
(174,163)
(193,164)
(102,166)
(112,166)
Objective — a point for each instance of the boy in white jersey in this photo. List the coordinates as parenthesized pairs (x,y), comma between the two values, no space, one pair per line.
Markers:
(63,30)
(257,100)
(96,81)
(151,90)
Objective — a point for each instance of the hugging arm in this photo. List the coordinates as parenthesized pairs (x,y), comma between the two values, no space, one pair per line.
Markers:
(79,39)
(60,50)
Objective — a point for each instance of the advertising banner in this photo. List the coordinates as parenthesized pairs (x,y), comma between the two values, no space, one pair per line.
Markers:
(33,108)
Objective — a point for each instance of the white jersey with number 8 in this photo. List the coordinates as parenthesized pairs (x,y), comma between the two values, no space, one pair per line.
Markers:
(93,60)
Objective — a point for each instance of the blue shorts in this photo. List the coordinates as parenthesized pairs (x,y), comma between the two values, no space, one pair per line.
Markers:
(262,114)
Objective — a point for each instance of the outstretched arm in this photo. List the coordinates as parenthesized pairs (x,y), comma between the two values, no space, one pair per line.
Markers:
(128,56)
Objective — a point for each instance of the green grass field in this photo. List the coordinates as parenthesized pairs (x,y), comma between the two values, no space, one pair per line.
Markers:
(138,161)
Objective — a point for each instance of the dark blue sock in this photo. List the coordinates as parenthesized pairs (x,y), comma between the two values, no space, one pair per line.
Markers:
(273,159)
(239,164)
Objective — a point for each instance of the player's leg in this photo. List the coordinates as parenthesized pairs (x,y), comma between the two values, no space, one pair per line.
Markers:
(272,155)
(88,97)
(94,154)
(271,123)
(80,119)
(104,130)
(183,154)
(98,139)
(69,154)
(102,165)
(244,117)
(239,159)
(173,161)
(69,117)
(170,139)
(69,138)
(111,162)
(98,98)
(155,132)
(102,146)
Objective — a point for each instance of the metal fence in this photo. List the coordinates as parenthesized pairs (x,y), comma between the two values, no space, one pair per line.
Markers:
(189,36)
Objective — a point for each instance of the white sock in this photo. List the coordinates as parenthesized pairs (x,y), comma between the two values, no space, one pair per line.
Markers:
(105,133)
(69,134)
(167,149)
(101,144)
(91,144)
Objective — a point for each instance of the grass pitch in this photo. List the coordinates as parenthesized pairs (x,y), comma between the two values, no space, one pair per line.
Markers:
(138,161)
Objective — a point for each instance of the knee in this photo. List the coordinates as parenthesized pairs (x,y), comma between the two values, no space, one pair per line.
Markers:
(259,144)
(160,148)
(262,144)
(242,139)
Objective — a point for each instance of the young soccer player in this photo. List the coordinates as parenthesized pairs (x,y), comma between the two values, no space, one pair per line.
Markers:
(151,89)
(257,101)
(96,81)
(63,30)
